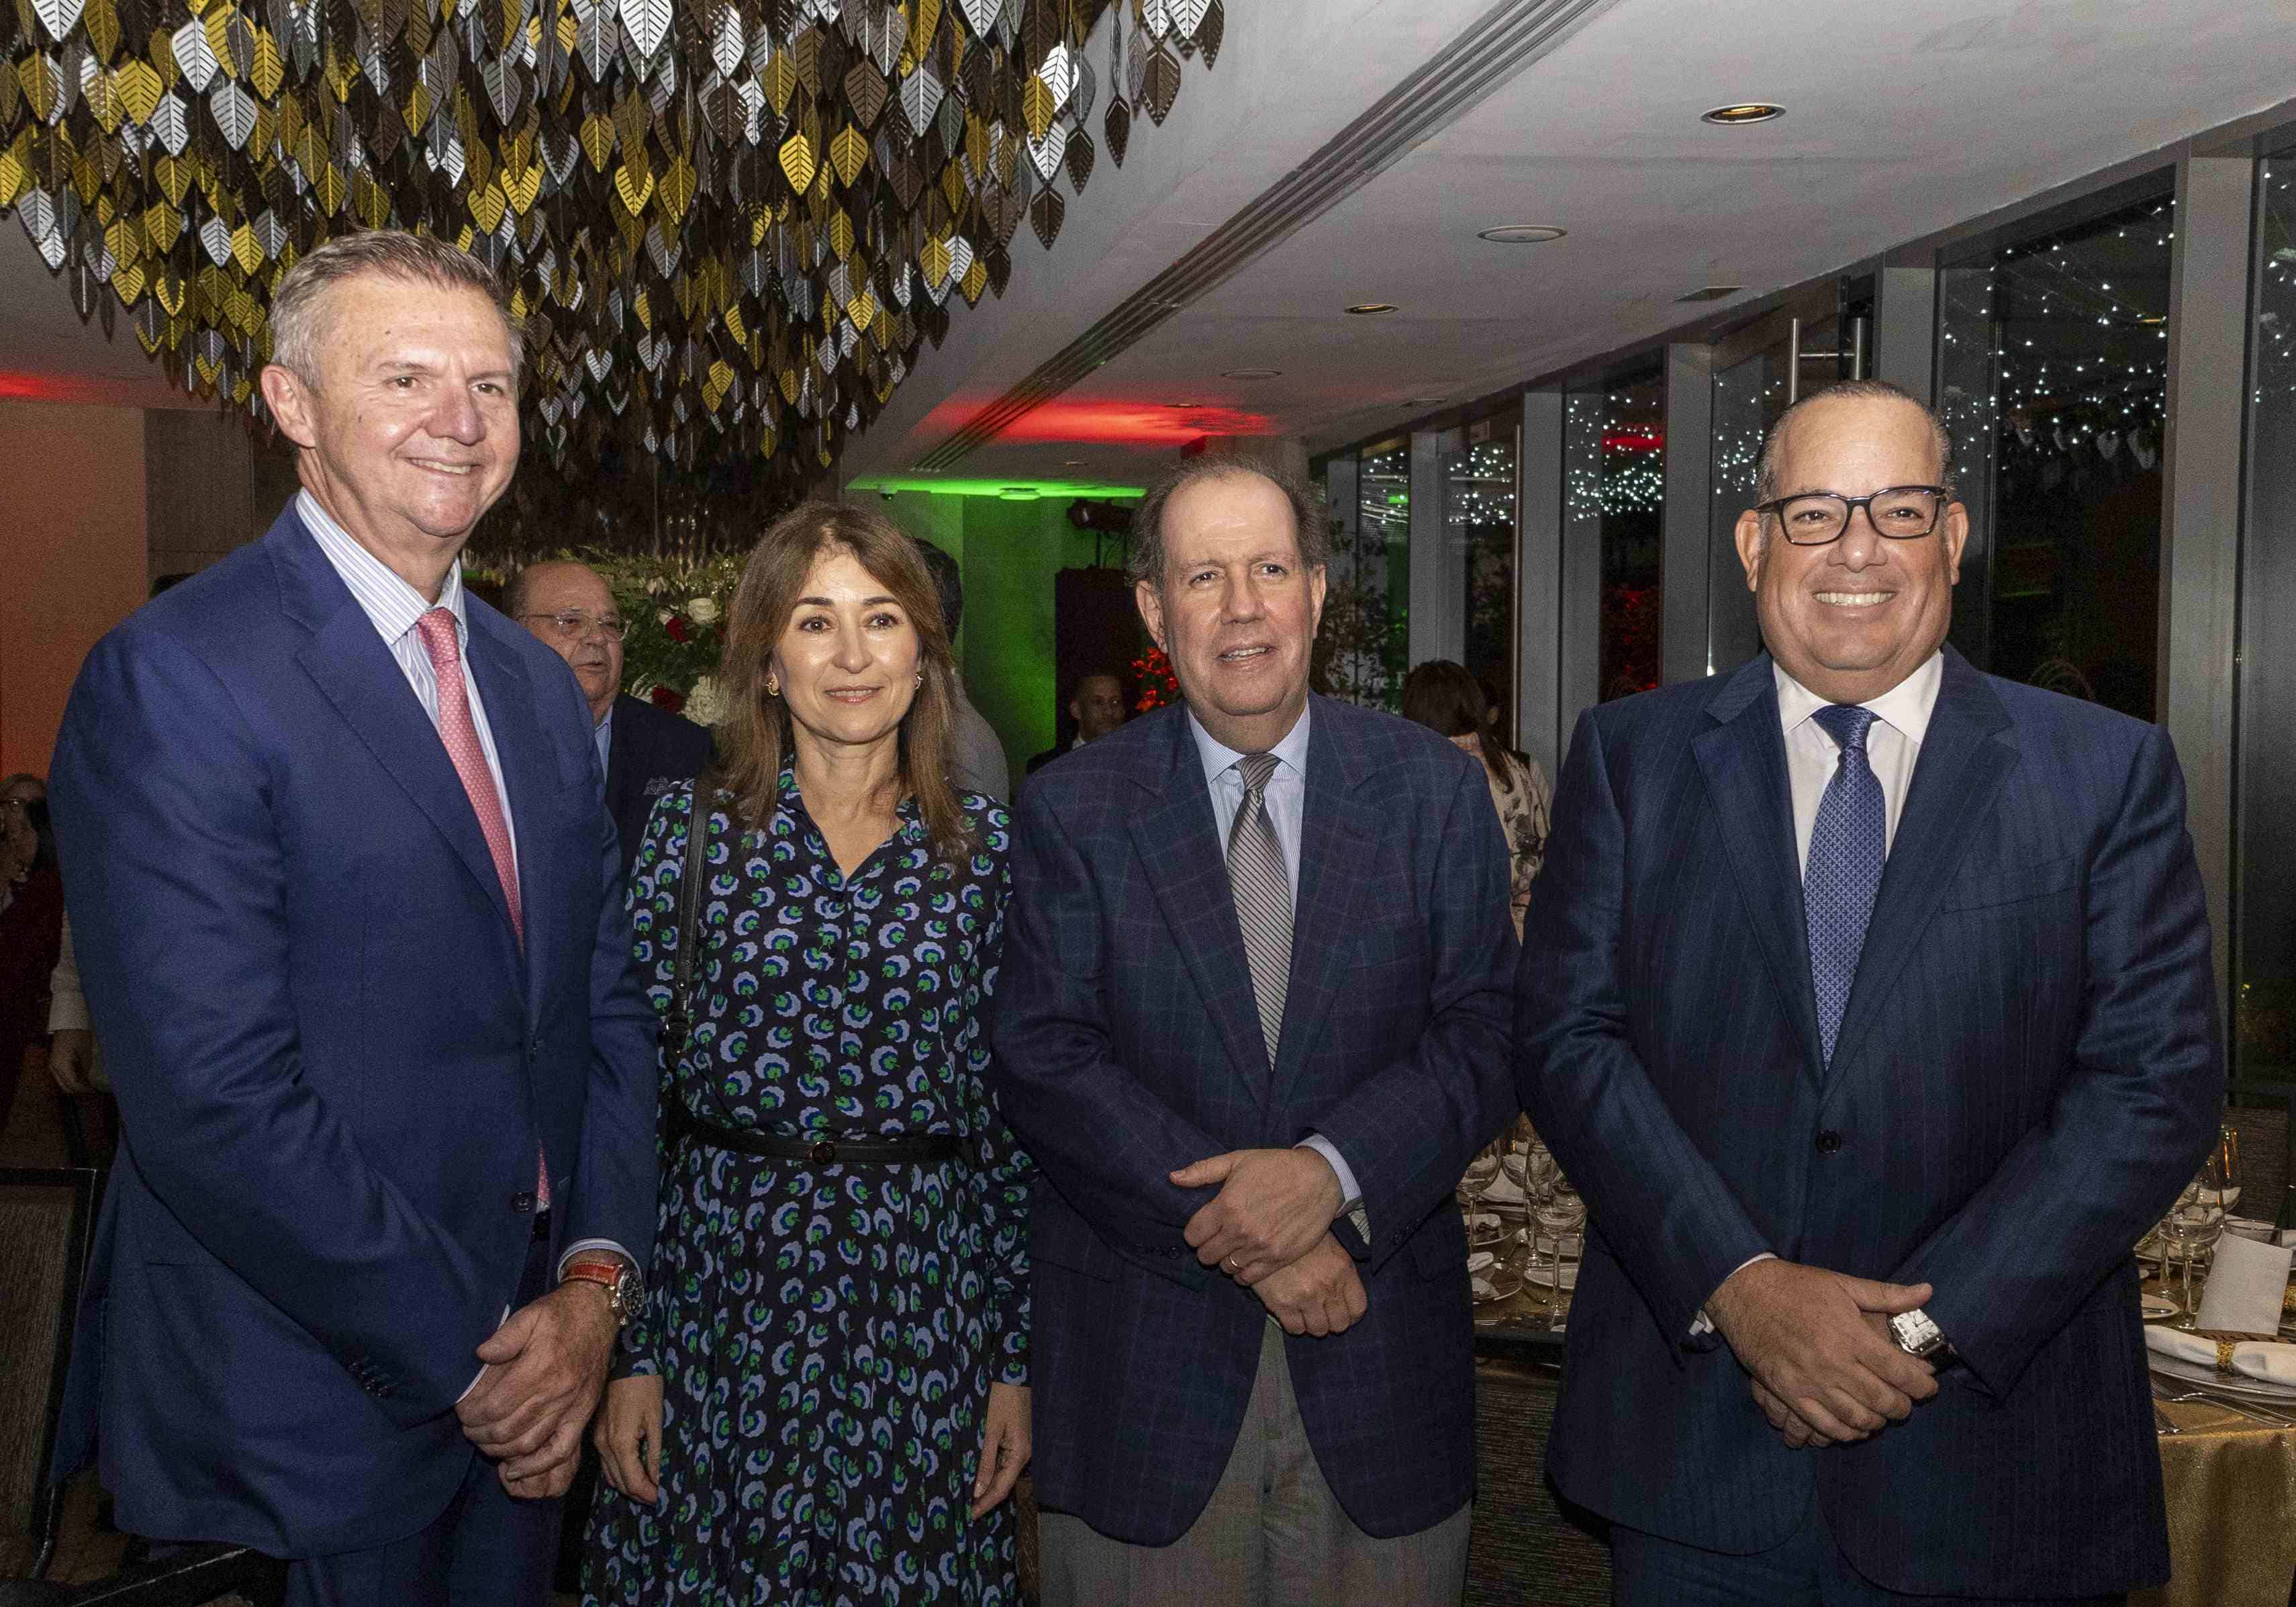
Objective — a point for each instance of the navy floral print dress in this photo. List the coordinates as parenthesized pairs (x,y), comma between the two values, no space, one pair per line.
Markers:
(827,1336)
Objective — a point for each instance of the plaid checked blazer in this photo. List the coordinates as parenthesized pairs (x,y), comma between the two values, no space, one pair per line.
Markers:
(2028,1071)
(1127,1045)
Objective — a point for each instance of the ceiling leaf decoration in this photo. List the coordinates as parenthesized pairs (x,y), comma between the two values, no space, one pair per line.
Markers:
(728,224)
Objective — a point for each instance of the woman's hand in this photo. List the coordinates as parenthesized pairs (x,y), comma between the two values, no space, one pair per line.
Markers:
(628,1436)
(1004,1446)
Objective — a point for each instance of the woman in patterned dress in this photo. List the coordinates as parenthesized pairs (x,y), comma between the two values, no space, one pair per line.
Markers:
(1443,697)
(827,1397)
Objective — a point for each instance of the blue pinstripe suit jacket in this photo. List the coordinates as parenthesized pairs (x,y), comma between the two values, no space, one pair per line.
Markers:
(1128,1045)
(2028,1071)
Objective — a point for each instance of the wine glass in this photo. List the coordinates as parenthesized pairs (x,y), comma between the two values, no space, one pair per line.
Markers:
(1561,1213)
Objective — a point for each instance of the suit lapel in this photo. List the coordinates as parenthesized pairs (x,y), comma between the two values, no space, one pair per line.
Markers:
(1961,768)
(1179,846)
(1743,758)
(347,659)
(1336,837)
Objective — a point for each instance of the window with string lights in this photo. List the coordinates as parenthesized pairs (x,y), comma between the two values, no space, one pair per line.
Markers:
(2052,368)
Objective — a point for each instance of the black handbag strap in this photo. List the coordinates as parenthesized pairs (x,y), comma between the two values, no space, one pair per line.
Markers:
(696,871)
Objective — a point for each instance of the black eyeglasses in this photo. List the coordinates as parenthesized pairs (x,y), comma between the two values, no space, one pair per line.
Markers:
(574,622)
(1903,513)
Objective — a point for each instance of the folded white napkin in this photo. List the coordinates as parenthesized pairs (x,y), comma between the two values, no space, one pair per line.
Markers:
(2254,1358)
(1504,1190)
(2246,1282)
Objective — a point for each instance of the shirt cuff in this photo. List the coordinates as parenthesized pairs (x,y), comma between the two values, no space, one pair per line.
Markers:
(1350,1196)
(1704,1325)
(584,1245)
(67,1012)
(481,1371)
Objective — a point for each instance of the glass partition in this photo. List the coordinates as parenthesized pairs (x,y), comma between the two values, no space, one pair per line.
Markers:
(1364,642)
(1479,512)
(2053,370)
(2264,877)
(1614,477)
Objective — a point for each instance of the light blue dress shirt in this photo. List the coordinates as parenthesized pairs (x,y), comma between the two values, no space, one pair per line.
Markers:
(604,737)
(1287,798)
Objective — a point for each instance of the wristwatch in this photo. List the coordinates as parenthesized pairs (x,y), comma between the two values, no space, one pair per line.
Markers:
(1916,1335)
(624,1289)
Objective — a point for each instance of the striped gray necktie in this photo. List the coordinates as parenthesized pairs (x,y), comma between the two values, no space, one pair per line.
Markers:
(1263,897)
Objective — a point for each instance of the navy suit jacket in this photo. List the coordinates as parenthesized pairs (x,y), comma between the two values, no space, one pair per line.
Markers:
(335,1066)
(649,751)
(2028,1071)
(1128,1045)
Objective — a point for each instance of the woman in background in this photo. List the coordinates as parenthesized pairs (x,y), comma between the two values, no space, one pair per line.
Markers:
(1445,697)
(828,1399)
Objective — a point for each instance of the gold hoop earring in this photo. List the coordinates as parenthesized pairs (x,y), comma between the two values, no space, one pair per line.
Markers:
(773,686)
(921,677)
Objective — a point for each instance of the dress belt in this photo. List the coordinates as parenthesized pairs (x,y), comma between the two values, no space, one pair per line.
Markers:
(685,1127)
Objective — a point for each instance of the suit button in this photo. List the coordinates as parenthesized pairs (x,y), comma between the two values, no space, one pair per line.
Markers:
(522,1202)
(1828,1142)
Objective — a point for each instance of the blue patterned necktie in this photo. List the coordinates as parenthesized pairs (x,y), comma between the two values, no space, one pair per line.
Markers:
(1846,849)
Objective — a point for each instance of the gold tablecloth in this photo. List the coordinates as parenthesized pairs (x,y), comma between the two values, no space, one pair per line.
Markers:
(2232,1509)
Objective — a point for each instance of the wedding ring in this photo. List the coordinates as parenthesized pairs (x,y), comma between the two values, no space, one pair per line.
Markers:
(2223,1355)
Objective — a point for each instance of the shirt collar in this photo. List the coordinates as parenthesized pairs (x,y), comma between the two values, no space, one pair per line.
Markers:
(1291,754)
(1906,708)
(605,722)
(389,603)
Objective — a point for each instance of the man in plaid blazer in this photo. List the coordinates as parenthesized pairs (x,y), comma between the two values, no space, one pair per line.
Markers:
(1251,1106)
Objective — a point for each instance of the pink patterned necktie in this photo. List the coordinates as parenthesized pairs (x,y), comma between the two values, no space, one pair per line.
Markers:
(460,733)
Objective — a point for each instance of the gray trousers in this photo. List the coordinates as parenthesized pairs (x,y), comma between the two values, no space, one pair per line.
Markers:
(1272,1536)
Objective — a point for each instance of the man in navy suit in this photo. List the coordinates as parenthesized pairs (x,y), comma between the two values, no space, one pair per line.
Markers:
(346,903)
(645,751)
(1251,1106)
(1867,999)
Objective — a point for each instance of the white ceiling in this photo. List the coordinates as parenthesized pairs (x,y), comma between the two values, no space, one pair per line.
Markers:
(1902,118)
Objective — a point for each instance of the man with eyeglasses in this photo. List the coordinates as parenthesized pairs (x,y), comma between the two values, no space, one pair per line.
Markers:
(1867,999)
(644,751)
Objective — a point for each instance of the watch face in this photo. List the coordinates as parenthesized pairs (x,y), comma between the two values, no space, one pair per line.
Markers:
(629,1294)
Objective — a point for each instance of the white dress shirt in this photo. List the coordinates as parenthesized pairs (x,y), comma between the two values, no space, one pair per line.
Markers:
(1287,798)
(1893,742)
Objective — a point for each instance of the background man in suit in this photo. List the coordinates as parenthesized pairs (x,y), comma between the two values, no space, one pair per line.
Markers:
(980,762)
(1862,987)
(1097,708)
(644,751)
(348,907)
(1252,1105)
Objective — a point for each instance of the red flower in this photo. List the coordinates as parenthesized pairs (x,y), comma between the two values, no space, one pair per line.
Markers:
(676,629)
(663,697)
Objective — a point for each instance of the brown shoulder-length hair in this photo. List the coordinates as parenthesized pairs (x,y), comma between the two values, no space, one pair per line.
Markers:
(1444,697)
(756,737)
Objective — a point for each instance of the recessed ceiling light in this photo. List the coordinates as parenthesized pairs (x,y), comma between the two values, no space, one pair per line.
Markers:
(1184,407)
(1745,111)
(1073,463)
(1367,309)
(1251,372)
(1521,233)
(1713,292)
(1018,493)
